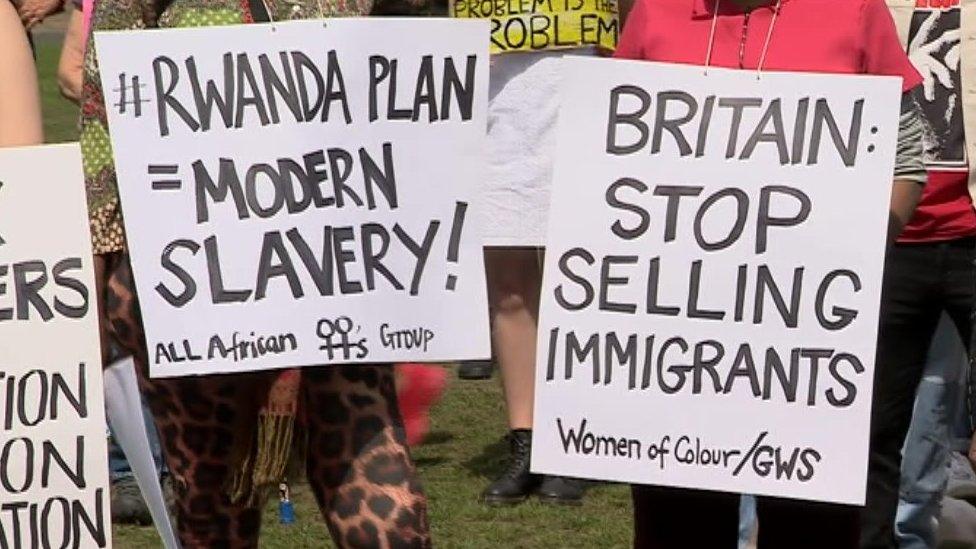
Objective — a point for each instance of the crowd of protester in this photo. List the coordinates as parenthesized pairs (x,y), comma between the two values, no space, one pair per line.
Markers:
(921,487)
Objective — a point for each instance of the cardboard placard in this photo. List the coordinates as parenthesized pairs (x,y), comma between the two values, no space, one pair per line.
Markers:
(302,193)
(713,277)
(53,453)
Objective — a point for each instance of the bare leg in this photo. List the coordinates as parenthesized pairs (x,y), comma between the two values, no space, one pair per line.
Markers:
(514,280)
(514,287)
(514,283)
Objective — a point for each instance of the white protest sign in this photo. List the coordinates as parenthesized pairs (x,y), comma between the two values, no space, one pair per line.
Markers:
(713,277)
(301,193)
(53,455)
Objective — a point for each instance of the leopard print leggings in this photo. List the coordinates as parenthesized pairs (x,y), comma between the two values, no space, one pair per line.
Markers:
(358,463)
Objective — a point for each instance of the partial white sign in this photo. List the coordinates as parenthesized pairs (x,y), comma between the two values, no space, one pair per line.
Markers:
(53,455)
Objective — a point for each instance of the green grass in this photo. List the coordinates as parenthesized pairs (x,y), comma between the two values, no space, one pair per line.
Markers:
(464,451)
(60,115)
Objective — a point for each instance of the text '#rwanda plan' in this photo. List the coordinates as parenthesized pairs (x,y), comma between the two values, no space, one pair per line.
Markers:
(713,277)
(302,193)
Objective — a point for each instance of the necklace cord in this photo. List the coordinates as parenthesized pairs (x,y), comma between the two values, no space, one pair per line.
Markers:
(765,50)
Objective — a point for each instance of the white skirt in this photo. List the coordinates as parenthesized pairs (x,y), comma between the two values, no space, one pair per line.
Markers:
(523,109)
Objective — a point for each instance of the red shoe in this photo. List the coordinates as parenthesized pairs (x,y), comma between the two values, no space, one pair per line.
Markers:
(421,386)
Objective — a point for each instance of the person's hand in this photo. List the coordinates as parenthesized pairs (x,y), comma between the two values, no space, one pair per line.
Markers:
(32,12)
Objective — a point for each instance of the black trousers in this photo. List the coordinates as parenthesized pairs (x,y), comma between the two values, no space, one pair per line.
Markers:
(673,518)
(921,282)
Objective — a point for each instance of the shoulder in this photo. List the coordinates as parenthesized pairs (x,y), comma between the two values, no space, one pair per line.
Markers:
(863,13)
(875,8)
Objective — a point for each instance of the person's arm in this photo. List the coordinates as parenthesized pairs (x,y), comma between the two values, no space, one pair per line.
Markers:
(883,54)
(910,174)
(72,57)
(20,103)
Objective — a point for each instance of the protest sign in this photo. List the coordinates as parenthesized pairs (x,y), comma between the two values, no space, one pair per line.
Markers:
(536,25)
(53,454)
(301,193)
(713,276)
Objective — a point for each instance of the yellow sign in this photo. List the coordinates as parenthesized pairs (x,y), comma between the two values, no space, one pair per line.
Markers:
(534,25)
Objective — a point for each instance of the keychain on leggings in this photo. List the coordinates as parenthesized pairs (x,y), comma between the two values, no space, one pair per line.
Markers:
(286,511)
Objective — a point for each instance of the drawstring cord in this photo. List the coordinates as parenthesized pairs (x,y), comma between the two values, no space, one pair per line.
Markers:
(711,37)
(769,38)
(765,50)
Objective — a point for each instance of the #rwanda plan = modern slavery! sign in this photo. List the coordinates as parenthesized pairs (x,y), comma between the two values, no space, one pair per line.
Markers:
(301,193)
(713,274)
(53,455)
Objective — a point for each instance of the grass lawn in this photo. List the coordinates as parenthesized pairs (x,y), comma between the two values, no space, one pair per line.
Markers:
(463,453)
(465,450)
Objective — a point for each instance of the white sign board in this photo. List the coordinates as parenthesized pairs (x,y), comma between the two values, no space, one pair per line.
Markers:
(301,193)
(53,454)
(713,277)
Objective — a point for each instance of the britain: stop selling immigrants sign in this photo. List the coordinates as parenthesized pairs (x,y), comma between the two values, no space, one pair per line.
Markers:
(713,274)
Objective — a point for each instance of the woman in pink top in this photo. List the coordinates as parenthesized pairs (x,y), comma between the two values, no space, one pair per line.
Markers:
(829,36)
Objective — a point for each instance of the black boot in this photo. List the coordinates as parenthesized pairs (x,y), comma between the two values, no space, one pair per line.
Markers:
(516,483)
(127,504)
(561,491)
(475,369)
